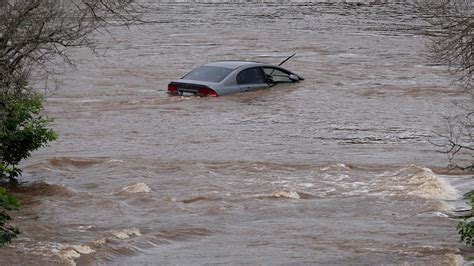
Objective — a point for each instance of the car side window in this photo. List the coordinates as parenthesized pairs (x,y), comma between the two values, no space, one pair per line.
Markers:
(277,75)
(251,76)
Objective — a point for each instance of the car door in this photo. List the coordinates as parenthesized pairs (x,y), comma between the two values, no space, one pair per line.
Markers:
(251,79)
(277,75)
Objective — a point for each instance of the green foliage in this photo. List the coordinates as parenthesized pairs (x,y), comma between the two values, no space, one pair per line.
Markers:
(22,130)
(466,232)
(7,203)
(466,228)
(470,196)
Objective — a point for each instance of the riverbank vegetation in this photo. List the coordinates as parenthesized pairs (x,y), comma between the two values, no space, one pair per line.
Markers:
(452,44)
(22,130)
(7,203)
(35,35)
(466,228)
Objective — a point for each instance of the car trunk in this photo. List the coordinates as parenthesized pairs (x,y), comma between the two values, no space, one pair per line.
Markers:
(190,89)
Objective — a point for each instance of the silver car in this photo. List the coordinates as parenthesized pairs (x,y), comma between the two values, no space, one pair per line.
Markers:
(228,77)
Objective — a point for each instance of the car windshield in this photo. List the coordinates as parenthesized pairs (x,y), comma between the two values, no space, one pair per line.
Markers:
(208,73)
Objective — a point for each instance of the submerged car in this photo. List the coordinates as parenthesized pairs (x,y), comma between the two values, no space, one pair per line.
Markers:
(228,77)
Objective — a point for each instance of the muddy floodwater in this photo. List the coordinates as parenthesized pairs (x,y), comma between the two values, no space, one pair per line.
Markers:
(335,170)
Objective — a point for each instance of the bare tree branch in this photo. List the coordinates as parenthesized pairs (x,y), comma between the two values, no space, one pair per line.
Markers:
(452,44)
(452,36)
(35,32)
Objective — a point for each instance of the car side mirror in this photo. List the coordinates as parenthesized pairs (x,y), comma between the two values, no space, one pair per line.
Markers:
(294,77)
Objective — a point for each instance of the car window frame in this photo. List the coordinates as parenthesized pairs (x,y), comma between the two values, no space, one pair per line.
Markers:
(262,74)
(288,73)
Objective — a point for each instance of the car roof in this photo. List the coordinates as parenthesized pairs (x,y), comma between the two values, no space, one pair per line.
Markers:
(232,64)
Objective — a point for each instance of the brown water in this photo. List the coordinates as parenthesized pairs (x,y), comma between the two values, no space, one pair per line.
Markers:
(332,170)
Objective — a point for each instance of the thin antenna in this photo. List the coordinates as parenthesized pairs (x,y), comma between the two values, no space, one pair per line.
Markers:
(286,59)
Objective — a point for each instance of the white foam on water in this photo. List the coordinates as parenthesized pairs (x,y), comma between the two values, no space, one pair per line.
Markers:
(307,185)
(280,182)
(431,186)
(83,249)
(126,233)
(415,181)
(84,228)
(284,194)
(71,253)
(137,188)
(69,256)
(339,166)
(455,259)
(114,161)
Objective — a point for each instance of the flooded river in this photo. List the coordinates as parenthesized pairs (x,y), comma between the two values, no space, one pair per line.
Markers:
(334,170)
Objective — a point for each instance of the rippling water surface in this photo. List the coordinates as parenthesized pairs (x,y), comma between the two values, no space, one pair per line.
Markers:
(332,170)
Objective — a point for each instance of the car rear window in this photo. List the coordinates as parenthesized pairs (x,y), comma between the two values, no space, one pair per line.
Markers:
(208,73)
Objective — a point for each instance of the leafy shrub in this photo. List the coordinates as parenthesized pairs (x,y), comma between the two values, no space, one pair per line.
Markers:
(466,228)
(466,232)
(22,130)
(7,203)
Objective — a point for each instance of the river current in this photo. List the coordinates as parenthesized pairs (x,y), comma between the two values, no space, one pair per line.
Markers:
(335,170)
